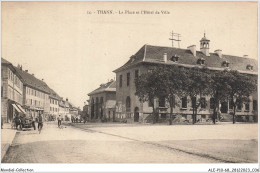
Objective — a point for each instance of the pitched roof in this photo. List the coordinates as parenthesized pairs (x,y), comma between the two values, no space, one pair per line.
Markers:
(53,94)
(10,65)
(4,61)
(62,103)
(32,81)
(154,54)
(109,86)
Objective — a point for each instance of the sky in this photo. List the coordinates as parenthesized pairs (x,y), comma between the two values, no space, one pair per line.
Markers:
(75,51)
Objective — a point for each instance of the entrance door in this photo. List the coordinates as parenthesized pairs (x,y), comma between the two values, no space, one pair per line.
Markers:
(224,107)
(136,114)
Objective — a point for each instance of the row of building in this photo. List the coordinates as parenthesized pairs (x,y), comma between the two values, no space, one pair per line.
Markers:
(117,100)
(23,93)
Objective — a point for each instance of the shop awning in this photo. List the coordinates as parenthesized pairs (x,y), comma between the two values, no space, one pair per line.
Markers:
(14,105)
(20,107)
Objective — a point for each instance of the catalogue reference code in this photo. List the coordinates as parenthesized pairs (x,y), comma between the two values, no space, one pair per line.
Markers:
(233,170)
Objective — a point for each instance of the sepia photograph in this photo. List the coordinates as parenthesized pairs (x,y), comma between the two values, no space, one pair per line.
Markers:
(164,84)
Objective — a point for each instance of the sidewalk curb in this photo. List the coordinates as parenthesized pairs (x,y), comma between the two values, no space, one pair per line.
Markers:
(3,153)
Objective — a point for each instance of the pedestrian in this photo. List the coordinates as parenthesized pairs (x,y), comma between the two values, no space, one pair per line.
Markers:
(17,121)
(40,122)
(2,123)
(59,121)
(33,122)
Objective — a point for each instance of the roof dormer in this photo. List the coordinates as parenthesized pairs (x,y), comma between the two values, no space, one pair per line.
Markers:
(175,58)
(225,64)
(249,67)
(201,61)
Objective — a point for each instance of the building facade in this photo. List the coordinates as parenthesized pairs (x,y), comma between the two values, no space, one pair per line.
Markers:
(11,91)
(64,110)
(23,93)
(35,94)
(129,107)
(55,108)
(102,102)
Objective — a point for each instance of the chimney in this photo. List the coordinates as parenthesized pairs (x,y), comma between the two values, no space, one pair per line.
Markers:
(21,68)
(192,48)
(245,56)
(26,71)
(219,52)
(165,57)
(67,99)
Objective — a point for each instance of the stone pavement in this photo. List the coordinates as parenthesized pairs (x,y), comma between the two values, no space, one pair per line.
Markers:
(72,145)
(7,136)
(236,143)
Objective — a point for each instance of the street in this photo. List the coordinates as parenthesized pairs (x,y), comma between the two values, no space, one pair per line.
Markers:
(94,143)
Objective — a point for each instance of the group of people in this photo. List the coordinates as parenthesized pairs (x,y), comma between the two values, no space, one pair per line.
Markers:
(79,119)
(19,120)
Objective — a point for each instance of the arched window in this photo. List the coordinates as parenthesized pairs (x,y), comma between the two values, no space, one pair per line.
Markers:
(128,104)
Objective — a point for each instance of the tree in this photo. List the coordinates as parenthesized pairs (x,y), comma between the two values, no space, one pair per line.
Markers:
(219,89)
(174,82)
(241,86)
(148,87)
(164,81)
(197,86)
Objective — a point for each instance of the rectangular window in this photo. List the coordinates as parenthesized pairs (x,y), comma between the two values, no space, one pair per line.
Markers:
(172,101)
(184,102)
(120,80)
(255,105)
(162,102)
(230,104)
(128,79)
(150,103)
(247,106)
(203,102)
(193,102)
(8,74)
(239,105)
(136,74)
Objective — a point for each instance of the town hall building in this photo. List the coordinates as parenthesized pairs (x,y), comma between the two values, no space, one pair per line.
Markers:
(129,107)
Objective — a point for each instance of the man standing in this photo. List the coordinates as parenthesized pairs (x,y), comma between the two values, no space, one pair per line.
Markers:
(59,121)
(40,122)
(33,122)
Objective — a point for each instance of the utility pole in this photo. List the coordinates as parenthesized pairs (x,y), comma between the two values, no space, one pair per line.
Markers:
(173,39)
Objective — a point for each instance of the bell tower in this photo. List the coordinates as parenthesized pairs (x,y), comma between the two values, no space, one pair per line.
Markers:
(204,45)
